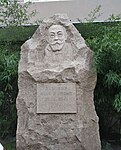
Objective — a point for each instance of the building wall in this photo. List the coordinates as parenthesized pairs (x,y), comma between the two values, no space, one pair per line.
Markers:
(76,8)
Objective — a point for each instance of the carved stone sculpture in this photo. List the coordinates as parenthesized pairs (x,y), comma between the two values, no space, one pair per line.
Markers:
(57,50)
(56,83)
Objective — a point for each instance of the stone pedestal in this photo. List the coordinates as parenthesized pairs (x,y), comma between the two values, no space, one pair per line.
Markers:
(56,83)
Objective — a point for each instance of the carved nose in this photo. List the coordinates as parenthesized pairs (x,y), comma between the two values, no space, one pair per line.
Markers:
(56,37)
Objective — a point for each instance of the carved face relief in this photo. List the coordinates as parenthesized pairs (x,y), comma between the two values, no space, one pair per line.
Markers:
(56,37)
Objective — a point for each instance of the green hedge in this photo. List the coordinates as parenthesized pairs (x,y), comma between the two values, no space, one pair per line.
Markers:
(16,34)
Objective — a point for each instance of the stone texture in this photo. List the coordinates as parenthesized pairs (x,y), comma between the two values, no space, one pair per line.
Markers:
(38,65)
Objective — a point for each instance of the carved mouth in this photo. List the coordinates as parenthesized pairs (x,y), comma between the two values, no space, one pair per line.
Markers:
(57,43)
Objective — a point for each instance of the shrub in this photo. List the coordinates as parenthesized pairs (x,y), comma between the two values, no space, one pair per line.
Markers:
(8,90)
(107,48)
(12,16)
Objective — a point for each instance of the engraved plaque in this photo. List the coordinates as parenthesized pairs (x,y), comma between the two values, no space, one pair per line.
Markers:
(56,98)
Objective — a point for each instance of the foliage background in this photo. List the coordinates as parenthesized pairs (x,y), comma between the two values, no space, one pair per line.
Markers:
(105,40)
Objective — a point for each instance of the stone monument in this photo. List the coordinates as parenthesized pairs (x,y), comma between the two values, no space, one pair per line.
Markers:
(56,83)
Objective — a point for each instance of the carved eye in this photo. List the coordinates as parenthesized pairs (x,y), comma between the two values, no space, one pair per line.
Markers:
(60,34)
(52,35)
